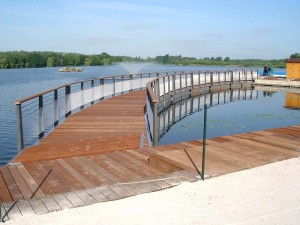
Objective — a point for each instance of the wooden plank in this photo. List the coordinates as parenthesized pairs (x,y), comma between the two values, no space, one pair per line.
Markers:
(109,178)
(138,155)
(119,191)
(40,178)
(38,206)
(167,166)
(4,193)
(50,204)
(74,199)
(129,164)
(188,176)
(107,192)
(130,188)
(86,197)
(84,171)
(161,184)
(146,187)
(25,208)
(69,182)
(85,182)
(54,179)
(130,175)
(269,153)
(171,180)
(23,187)
(145,168)
(284,144)
(34,187)
(109,168)
(238,150)
(97,195)
(11,184)
(91,170)
(62,201)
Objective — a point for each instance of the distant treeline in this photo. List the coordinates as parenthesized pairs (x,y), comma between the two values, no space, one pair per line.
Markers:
(24,59)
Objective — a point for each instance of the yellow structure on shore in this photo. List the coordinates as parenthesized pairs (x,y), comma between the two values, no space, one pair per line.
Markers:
(293,68)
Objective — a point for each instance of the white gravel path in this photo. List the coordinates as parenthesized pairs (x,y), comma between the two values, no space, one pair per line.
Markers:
(265,195)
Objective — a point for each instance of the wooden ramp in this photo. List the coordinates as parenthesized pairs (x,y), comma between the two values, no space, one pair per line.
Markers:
(229,153)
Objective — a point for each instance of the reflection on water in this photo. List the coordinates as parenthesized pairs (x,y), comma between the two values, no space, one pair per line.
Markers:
(292,100)
(263,110)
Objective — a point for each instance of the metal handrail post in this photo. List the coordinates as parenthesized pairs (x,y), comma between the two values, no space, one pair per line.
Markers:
(113,86)
(192,80)
(55,113)
(173,84)
(155,125)
(20,137)
(211,79)
(41,117)
(67,100)
(82,95)
(92,92)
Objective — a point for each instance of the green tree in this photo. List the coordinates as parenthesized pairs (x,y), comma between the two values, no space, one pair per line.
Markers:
(50,62)
(227,59)
(88,61)
(296,55)
(166,59)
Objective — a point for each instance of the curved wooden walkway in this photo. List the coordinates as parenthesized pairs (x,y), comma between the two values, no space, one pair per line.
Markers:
(112,125)
(94,156)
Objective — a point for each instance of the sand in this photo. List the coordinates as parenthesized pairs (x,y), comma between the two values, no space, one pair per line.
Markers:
(264,195)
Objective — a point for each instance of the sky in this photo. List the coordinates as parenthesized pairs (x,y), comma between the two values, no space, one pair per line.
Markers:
(239,29)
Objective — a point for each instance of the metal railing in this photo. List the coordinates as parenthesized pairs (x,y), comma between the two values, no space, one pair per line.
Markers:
(186,107)
(39,114)
(167,90)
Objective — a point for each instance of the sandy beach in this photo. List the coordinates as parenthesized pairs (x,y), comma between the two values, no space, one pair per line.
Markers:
(264,195)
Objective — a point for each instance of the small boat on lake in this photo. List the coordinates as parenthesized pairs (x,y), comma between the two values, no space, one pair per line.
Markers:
(70,69)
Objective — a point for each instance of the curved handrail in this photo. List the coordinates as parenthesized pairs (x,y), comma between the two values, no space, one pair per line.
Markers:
(167,90)
(20,101)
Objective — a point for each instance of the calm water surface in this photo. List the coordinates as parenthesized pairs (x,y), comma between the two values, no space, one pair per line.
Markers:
(266,111)
(20,83)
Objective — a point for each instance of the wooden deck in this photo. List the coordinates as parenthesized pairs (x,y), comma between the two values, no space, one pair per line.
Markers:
(94,156)
(114,124)
(229,154)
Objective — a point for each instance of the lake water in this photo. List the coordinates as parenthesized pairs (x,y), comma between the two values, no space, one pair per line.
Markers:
(20,83)
(263,110)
